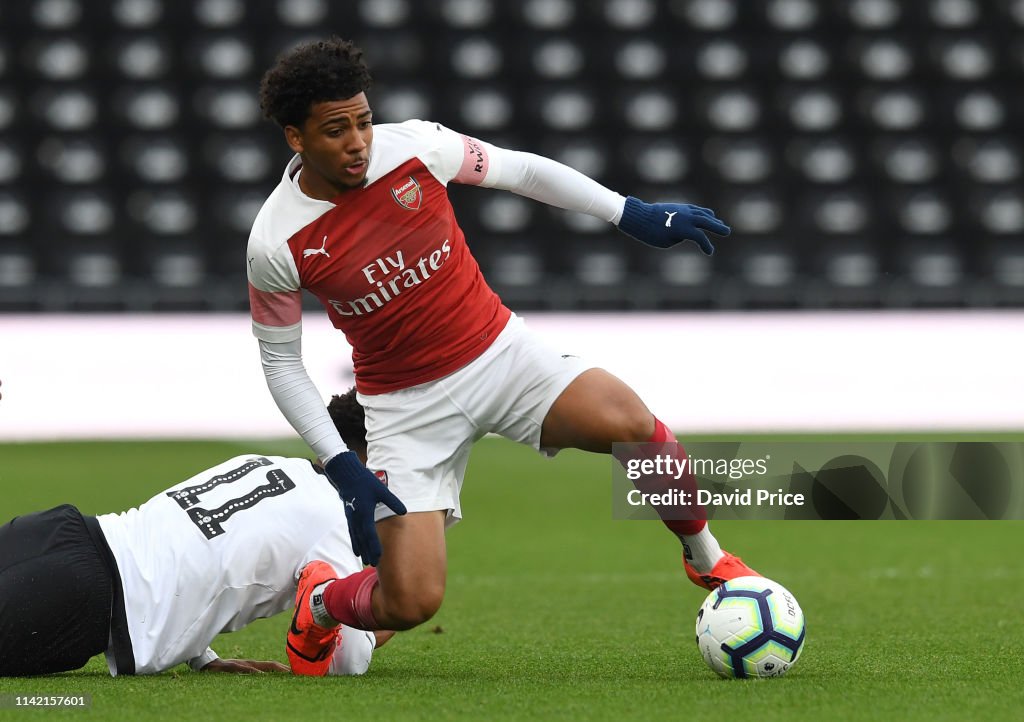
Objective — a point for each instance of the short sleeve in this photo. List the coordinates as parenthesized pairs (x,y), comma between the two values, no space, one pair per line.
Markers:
(456,157)
(275,300)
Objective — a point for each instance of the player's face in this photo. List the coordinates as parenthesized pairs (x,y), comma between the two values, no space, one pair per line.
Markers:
(335,143)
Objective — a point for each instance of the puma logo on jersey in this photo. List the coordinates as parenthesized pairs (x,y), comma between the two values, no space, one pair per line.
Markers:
(668,221)
(314,251)
(350,504)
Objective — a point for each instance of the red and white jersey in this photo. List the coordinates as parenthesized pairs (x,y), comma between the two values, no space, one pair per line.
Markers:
(222,549)
(387,260)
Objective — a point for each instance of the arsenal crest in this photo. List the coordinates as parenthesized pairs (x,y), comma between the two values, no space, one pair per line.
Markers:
(382,475)
(408,194)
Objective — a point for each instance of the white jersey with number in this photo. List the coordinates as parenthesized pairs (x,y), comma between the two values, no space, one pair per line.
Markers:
(224,548)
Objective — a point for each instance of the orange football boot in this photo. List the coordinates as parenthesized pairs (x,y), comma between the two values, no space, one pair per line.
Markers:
(726,568)
(310,646)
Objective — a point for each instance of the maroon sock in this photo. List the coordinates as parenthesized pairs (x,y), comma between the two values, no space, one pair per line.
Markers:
(348,599)
(696,519)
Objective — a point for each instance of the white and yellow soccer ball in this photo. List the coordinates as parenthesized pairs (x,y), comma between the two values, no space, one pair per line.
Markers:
(750,627)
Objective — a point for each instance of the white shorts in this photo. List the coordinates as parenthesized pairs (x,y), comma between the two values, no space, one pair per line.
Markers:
(418,439)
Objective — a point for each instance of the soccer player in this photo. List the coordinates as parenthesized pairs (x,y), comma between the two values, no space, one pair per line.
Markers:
(362,220)
(153,586)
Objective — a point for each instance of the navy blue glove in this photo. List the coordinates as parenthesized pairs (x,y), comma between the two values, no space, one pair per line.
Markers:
(663,225)
(360,492)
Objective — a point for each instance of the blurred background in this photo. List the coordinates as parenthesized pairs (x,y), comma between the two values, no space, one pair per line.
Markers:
(866,152)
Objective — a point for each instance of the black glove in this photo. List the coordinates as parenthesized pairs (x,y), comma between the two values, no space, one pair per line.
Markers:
(663,225)
(360,492)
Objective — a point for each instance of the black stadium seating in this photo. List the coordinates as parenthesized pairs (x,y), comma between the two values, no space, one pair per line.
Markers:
(868,153)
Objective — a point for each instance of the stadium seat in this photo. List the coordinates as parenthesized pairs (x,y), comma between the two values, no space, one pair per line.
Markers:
(848,273)
(933,275)
(1005,266)
(683,277)
(869,146)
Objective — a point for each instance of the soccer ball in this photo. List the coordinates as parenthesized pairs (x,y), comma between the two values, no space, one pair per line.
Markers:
(750,627)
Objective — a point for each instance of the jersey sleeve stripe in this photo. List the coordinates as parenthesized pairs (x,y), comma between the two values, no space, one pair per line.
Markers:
(276,309)
(475,162)
(276,334)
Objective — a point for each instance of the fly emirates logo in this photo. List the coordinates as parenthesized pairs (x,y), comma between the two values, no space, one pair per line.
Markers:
(389,276)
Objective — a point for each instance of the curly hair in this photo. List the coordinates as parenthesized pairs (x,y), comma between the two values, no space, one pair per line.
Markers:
(311,73)
(348,417)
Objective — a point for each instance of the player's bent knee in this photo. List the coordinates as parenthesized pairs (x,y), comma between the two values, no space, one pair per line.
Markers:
(411,610)
(635,424)
(626,416)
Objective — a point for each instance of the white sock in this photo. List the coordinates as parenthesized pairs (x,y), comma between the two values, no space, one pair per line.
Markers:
(316,606)
(701,549)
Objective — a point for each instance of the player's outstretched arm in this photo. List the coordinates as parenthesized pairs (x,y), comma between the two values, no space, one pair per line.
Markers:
(275,301)
(659,224)
(208,661)
(245,666)
(300,402)
(298,398)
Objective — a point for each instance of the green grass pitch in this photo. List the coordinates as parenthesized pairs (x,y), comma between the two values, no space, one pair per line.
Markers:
(554,611)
